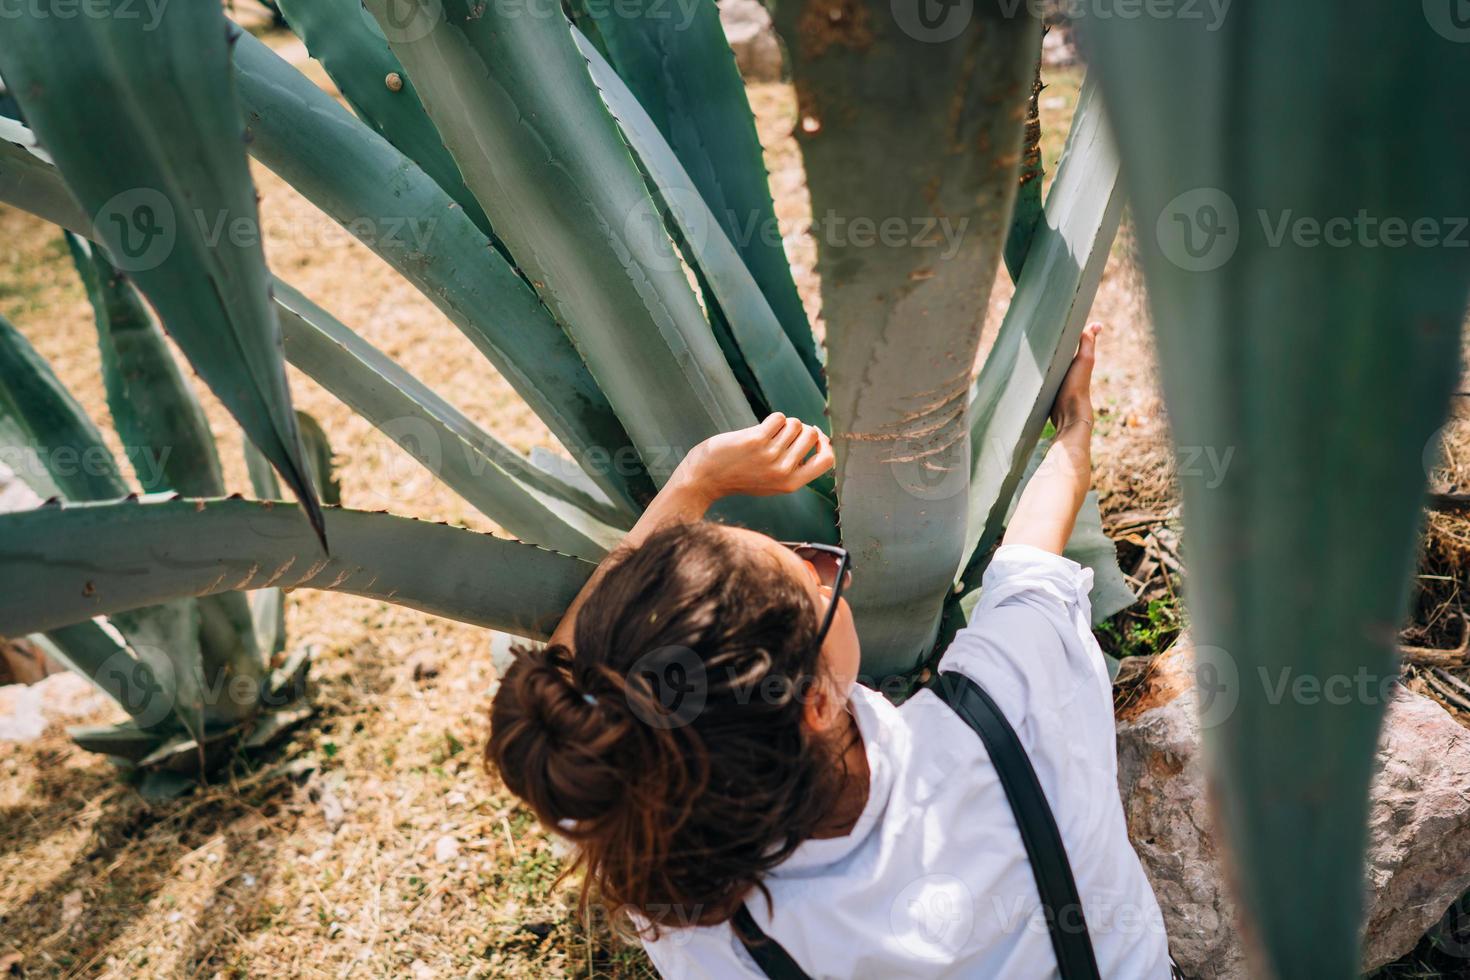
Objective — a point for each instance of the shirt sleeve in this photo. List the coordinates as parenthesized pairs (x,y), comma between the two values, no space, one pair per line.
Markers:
(1029,640)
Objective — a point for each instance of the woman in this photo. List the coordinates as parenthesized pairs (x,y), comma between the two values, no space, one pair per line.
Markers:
(695,729)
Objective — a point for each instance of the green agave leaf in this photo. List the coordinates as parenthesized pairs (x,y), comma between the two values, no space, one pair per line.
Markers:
(267,606)
(60,564)
(1012,395)
(39,411)
(157,93)
(509,92)
(764,346)
(126,741)
(1300,328)
(485,472)
(1028,209)
(153,408)
(385,199)
(318,453)
(168,442)
(680,69)
(90,651)
(351,47)
(913,207)
(29,180)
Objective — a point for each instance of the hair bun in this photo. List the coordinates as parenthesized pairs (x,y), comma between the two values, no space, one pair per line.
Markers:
(556,747)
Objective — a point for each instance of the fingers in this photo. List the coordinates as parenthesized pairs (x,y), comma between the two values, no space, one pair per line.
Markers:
(822,460)
(786,437)
(801,447)
(770,425)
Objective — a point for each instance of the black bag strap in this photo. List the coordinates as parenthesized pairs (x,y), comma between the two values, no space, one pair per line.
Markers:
(1043,841)
(1059,899)
(768,954)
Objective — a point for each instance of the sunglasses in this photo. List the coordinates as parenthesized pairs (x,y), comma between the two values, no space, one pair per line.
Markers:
(834,569)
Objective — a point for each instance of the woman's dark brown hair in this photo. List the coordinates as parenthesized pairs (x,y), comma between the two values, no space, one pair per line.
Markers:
(669,746)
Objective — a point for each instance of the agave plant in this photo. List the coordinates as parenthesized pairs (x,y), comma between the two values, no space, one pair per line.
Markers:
(601,227)
(195,675)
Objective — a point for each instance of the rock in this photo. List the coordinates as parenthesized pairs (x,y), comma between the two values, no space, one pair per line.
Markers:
(26,709)
(753,39)
(1419,824)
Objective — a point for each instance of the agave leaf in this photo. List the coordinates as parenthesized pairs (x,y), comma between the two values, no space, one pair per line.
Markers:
(319,454)
(29,180)
(680,69)
(126,740)
(41,414)
(764,345)
(267,606)
(351,47)
(153,408)
(372,189)
(1012,395)
(904,307)
(89,650)
(168,442)
(1028,197)
(38,409)
(584,230)
(485,472)
(157,93)
(1322,354)
(61,564)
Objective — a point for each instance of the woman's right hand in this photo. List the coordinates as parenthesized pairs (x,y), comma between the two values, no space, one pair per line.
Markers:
(778,455)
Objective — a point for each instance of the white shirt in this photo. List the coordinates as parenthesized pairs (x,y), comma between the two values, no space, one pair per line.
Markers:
(933,880)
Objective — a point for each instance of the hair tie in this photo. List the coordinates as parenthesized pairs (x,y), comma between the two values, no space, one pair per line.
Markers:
(590,699)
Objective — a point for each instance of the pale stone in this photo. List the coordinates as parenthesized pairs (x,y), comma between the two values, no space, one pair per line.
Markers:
(1419,824)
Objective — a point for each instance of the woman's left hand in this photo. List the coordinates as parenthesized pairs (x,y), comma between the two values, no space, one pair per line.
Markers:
(778,455)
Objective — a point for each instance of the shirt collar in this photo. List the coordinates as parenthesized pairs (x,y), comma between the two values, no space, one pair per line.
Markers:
(869,710)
